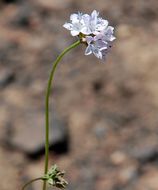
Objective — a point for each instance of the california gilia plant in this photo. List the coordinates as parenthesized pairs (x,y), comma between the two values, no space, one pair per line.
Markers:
(94,32)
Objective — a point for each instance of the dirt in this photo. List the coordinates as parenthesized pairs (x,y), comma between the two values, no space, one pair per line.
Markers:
(110,109)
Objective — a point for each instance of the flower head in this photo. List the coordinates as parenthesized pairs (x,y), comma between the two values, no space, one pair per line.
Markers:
(93,31)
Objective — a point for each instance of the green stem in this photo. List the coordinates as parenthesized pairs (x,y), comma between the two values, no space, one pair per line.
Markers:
(47,105)
(33,180)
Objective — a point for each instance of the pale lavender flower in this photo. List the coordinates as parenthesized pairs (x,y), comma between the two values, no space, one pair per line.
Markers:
(77,24)
(93,23)
(96,46)
(93,31)
(107,34)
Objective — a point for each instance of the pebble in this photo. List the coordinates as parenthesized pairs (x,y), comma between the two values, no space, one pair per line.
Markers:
(128,174)
(145,152)
(100,129)
(118,157)
(28,134)
(7,76)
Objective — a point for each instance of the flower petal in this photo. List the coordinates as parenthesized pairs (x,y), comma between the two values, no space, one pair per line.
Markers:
(68,26)
(94,14)
(97,53)
(89,39)
(104,22)
(74,17)
(74,32)
(109,33)
(98,36)
(86,31)
(88,50)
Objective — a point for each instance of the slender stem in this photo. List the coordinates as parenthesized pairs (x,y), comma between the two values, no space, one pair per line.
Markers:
(47,105)
(33,180)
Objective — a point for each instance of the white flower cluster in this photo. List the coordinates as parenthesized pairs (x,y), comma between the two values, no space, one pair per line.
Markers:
(92,30)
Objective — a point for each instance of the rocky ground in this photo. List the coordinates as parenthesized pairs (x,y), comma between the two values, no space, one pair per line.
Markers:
(105,124)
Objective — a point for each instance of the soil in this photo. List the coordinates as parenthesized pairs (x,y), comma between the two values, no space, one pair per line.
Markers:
(110,109)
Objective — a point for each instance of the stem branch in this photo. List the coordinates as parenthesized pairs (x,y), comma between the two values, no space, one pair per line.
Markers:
(33,180)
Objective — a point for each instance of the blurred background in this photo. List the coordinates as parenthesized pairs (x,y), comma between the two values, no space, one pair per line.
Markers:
(104,116)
